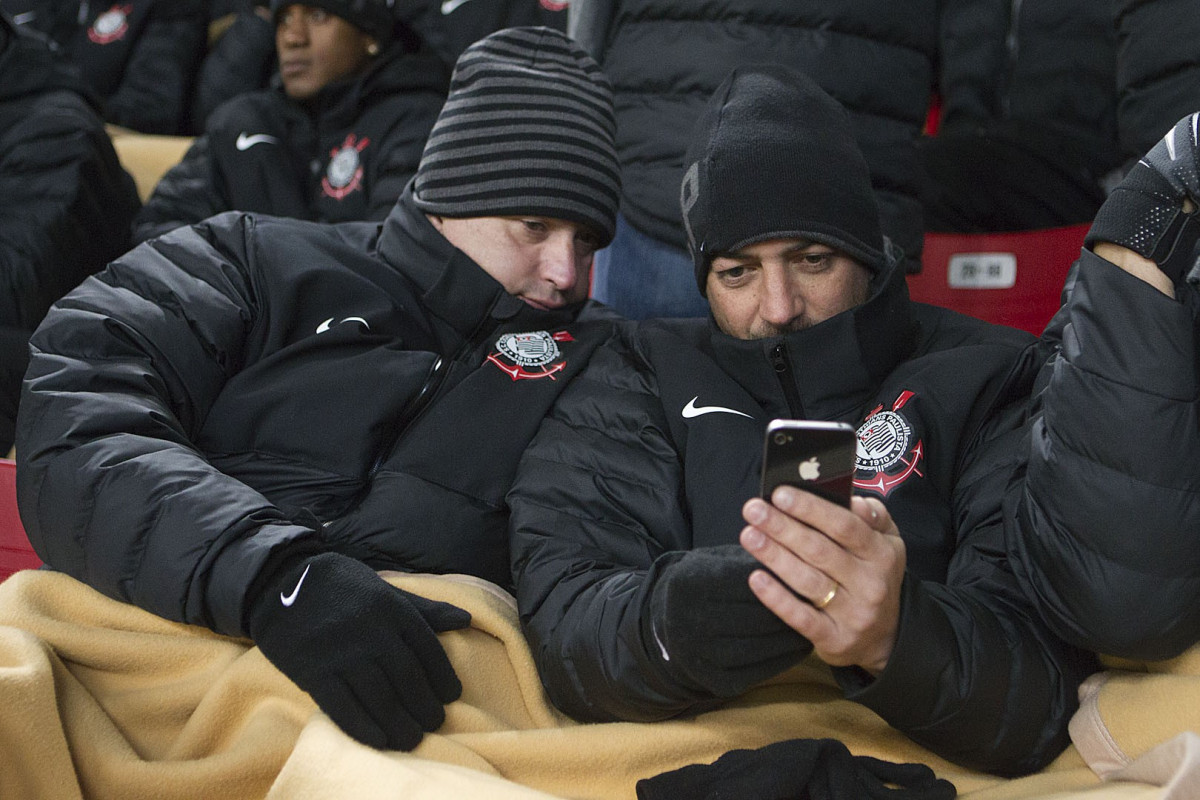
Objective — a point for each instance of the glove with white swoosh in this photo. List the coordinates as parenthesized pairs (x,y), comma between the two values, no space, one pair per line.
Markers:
(1145,212)
(708,630)
(365,651)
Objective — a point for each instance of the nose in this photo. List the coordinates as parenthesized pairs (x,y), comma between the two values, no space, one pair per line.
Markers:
(292,30)
(781,302)
(562,262)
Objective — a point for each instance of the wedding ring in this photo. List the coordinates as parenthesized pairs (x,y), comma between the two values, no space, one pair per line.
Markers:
(827,599)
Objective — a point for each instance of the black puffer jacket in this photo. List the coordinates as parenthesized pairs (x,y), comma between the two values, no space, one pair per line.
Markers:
(65,203)
(618,478)
(344,157)
(139,56)
(1038,72)
(1110,508)
(666,58)
(1158,68)
(255,384)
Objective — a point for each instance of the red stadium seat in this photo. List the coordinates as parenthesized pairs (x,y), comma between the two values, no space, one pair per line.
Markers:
(1010,278)
(15,552)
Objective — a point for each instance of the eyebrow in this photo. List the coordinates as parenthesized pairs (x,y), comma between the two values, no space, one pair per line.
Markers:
(799,246)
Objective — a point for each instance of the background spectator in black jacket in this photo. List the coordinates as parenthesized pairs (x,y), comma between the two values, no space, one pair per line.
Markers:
(630,503)
(241,55)
(337,140)
(65,202)
(139,56)
(1027,134)
(234,425)
(665,58)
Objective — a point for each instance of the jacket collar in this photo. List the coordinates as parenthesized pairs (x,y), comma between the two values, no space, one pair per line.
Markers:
(837,366)
(452,286)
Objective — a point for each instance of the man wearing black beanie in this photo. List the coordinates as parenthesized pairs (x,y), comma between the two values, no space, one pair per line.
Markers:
(237,424)
(652,580)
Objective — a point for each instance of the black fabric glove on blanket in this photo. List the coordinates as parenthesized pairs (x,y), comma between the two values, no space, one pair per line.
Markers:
(366,652)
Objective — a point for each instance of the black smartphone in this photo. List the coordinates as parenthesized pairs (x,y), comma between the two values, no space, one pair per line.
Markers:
(814,456)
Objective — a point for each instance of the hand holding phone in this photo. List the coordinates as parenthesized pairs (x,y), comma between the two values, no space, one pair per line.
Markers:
(818,457)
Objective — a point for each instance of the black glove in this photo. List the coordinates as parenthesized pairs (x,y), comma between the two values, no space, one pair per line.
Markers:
(1145,212)
(365,651)
(705,625)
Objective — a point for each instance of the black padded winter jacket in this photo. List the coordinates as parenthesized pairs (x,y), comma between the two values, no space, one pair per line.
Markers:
(620,478)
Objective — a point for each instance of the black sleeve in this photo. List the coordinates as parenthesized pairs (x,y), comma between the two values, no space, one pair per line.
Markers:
(187,193)
(976,676)
(157,81)
(111,488)
(594,517)
(1108,512)
(67,206)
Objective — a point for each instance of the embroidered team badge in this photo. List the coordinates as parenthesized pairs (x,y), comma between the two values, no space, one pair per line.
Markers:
(111,25)
(345,172)
(885,448)
(524,356)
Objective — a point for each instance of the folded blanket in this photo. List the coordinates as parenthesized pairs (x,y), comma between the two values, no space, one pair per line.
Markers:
(99,699)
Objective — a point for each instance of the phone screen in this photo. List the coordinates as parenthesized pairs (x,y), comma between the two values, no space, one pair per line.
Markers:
(818,457)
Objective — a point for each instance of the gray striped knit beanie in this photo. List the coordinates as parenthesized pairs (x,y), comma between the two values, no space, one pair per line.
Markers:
(527,128)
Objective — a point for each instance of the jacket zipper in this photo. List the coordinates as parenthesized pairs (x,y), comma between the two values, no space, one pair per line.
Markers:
(428,391)
(787,380)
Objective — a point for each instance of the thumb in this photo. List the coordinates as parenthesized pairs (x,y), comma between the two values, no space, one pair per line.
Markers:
(440,616)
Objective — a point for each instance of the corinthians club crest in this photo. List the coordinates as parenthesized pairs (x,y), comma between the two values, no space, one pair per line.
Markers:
(524,356)
(111,25)
(885,448)
(345,172)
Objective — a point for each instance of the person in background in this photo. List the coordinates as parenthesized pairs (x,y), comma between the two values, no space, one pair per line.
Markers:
(336,141)
(236,424)
(666,58)
(65,202)
(1027,131)
(140,57)
(241,53)
(652,581)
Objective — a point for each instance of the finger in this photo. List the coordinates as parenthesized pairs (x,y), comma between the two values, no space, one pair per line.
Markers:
(872,511)
(823,548)
(398,693)
(431,660)
(341,704)
(798,615)
(810,581)
(835,521)
(441,616)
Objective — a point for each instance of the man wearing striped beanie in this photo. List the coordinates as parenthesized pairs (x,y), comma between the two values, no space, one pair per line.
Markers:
(238,423)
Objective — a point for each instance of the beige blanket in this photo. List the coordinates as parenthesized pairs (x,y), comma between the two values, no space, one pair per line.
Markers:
(99,699)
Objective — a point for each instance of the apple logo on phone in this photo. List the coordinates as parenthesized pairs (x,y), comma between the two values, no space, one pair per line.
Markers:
(810,470)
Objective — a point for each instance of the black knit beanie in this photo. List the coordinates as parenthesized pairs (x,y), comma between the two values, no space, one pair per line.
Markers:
(527,128)
(774,157)
(373,16)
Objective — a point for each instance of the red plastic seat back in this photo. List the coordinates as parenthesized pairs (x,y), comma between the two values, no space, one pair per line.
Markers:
(1010,278)
(15,551)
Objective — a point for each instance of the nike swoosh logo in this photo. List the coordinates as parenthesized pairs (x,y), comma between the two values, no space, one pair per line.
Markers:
(692,410)
(448,6)
(245,142)
(662,648)
(324,326)
(288,599)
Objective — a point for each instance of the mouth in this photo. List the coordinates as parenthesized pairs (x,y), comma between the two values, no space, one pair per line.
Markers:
(544,305)
(289,69)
